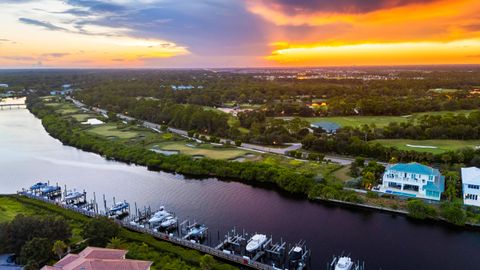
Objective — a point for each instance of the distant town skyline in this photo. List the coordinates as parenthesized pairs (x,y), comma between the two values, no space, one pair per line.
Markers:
(237,33)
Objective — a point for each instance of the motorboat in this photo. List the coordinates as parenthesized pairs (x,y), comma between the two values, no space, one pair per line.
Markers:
(159,216)
(38,185)
(344,263)
(197,231)
(72,195)
(46,190)
(296,253)
(118,208)
(168,222)
(256,242)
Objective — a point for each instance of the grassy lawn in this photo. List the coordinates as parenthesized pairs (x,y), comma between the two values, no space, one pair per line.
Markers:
(82,117)
(444,90)
(53,104)
(111,130)
(67,110)
(206,150)
(342,174)
(234,122)
(467,112)
(9,208)
(322,170)
(441,145)
(356,121)
(379,121)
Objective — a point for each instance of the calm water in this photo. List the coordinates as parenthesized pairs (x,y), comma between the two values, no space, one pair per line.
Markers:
(384,241)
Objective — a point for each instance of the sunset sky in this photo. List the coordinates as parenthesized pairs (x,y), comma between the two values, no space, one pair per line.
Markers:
(237,33)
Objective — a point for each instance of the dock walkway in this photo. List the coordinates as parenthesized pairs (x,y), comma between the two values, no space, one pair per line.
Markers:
(162,236)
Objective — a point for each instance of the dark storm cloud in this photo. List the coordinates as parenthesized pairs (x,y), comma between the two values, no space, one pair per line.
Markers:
(340,6)
(206,27)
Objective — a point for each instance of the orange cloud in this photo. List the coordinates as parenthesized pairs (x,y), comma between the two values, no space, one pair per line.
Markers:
(418,53)
(438,32)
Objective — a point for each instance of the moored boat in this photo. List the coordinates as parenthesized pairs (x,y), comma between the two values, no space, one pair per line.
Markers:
(197,231)
(118,208)
(344,263)
(159,216)
(72,195)
(38,186)
(168,222)
(256,242)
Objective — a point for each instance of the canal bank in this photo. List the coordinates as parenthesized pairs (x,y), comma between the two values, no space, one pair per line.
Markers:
(30,154)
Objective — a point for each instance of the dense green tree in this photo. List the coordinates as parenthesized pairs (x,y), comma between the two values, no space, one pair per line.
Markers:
(451,191)
(418,209)
(24,228)
(453,213)
(38,250)
(99,231)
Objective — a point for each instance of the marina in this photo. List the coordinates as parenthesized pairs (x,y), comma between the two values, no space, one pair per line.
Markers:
(259,252)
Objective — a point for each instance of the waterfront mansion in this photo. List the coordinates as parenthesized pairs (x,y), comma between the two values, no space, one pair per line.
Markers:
(413,180)
(471,186)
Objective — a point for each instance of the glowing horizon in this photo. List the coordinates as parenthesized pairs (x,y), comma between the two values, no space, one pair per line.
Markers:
(238,33)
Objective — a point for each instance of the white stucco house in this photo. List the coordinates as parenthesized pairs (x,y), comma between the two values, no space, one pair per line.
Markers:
(471,186)
(413,180)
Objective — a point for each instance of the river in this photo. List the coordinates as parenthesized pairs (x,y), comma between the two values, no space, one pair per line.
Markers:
(384,241)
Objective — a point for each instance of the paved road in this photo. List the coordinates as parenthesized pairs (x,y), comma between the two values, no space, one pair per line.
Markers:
(248,146)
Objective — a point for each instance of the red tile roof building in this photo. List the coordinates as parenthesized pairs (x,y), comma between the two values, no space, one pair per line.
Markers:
(92,258)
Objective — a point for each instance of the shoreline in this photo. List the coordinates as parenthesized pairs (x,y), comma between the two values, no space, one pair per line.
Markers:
(255,182)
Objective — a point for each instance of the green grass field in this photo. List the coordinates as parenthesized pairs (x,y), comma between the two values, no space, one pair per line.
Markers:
(9,208)
(53,104)
(356,121)
(342,174)
(82,117)
(379,121)
(206,150)
(302,166)
(111,130)
(441,145)
(67,110)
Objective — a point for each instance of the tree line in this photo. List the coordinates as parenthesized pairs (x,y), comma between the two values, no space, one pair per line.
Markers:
(70,133)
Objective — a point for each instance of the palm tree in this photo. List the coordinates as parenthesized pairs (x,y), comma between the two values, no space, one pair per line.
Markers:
(59,248)
(116,243)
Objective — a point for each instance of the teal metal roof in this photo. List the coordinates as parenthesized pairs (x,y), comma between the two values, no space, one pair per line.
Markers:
(439,187)
(327,126)
(414,168)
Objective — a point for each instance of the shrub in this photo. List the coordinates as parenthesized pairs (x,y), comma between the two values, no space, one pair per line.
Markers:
(418,209)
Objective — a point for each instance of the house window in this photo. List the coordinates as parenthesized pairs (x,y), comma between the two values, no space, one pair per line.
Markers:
(474,186)
(430,177)
(472,197)
(434,194)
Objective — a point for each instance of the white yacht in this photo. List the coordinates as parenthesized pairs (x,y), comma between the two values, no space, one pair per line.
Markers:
(72,195)
(159,216)
(344,263)
(168,222)
(256,242)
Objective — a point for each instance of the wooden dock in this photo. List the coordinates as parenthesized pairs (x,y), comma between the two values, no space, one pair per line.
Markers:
(164,237)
